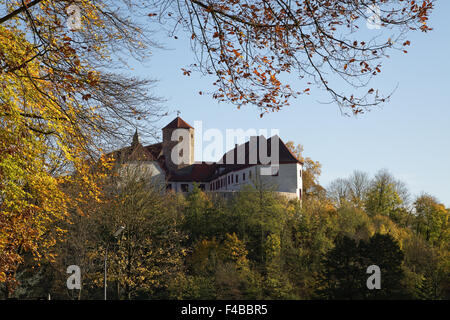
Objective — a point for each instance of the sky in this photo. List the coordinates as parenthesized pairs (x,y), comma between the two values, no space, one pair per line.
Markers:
(409,135)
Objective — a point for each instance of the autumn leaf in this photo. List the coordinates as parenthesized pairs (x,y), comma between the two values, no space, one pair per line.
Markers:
(186,72)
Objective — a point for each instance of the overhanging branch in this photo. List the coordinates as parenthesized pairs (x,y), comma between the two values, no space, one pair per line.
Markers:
(19,10)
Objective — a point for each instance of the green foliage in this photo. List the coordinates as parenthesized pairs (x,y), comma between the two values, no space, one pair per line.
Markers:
(384,251)
(255,245)
(382,198)
(192,288)
(428,269)
(344,269)
(432,220)
(353,222)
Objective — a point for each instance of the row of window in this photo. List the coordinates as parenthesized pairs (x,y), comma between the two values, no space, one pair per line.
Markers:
(218,184)
(230,179)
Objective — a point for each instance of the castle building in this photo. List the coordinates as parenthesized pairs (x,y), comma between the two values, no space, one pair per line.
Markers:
(172,162)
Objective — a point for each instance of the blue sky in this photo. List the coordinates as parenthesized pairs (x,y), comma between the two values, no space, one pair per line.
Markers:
(409,136)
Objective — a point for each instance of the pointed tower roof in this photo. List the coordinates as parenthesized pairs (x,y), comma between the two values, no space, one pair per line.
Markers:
(178,123)
(135,141)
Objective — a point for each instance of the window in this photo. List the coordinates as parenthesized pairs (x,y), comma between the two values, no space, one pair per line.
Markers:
(243,176)
(300,173)
(228,179)
(184,187)
(300,193)
(250,174)
(232,178)
(237,178)
(169,186)
(202,186)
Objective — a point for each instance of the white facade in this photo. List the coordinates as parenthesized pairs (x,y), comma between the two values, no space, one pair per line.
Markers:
(286,180)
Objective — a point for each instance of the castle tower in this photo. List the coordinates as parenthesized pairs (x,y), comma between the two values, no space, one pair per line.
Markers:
(178,144)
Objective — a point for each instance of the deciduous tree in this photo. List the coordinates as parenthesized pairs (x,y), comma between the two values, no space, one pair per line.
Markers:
(58,105)
(248,45)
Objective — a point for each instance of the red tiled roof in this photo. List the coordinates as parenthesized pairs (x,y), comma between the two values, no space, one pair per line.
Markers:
(137,153)
(204,172)
(198,172)
(178,123)
(285,156)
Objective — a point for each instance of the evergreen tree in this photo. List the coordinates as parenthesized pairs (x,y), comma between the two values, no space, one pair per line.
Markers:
(343,276)
(344,269)
(383,251)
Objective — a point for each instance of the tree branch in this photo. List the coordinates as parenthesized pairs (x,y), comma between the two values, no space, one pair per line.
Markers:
(19,10)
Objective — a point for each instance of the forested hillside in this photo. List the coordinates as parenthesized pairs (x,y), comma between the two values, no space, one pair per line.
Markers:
(255,245)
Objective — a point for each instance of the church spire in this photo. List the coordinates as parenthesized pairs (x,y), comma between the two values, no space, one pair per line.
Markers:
(135,139)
